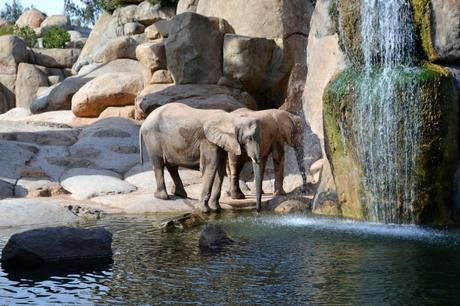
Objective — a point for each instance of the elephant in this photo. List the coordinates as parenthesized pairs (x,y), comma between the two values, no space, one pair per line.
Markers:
(176,135)
(277,128)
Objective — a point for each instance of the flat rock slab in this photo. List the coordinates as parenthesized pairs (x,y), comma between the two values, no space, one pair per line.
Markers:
(27,212)
(56,245)
(84,183)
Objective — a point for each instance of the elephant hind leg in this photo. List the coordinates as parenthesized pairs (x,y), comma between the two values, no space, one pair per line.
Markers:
(178,188)
(156,158)
(278,162)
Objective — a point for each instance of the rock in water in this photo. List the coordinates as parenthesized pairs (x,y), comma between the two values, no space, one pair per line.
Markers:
(182,222)
(57,245)
(213,237)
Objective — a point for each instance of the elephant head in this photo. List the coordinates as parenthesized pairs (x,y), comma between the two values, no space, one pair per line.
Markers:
(232,133)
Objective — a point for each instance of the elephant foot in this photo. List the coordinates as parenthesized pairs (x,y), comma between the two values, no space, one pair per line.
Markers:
(237,195)
(181,193)
(205,209)
(280,192)
(162,195)
(216,207)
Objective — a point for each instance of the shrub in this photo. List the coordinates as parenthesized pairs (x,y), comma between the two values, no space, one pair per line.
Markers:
(27,34)
(109,5)
(6,30)
(56,38)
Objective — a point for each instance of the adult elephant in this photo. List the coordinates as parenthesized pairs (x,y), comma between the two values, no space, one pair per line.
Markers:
(177,135)
(277,128)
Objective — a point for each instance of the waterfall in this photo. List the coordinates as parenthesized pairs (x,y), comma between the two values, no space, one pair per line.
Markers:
(386,126)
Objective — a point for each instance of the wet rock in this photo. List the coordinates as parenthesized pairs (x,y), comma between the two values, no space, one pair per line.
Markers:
(284,205)
(213,237)
(181,222)
(27,212)
(57,244)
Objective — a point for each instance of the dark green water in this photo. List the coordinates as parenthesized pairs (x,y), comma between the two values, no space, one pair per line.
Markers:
(277,260)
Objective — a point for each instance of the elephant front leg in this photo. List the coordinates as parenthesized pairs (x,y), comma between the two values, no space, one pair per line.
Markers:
(278,162)
(236,164)
(217,186)
(209,162)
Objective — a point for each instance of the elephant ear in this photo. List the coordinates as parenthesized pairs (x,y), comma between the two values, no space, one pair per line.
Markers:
(223,133)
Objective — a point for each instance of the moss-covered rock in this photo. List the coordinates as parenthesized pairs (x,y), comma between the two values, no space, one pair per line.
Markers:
(437,145)
(422,20)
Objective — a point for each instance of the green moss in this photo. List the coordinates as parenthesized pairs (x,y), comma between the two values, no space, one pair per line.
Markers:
(438,141)
(7,29)
(422,20)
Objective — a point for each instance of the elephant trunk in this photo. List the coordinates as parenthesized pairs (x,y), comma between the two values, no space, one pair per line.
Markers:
(258,179)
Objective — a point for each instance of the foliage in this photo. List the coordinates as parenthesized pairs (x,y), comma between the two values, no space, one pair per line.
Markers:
(56,38)
(422,19)
(12,11)
(84,14)
(6,30)
(27,34)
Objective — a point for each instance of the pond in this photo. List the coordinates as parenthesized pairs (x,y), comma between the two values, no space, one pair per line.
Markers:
(288,260)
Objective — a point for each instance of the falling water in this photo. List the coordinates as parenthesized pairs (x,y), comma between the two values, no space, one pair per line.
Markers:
(386,125)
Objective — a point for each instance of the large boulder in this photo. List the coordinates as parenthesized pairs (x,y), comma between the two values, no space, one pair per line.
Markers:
(12,52)
(446,29)
(31,18)
(60,21)
(30,78)
(324,60)
(111,89)
(151,57)
(147,13)
(55,58)
(56,245)
(159,29)
(120,47)
(133,28)
(213,237)
(60,96)
(196,95)
(262,18)
(194,48)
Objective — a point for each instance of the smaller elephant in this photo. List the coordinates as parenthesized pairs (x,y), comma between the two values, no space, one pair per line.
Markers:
(277,128)
(177,135)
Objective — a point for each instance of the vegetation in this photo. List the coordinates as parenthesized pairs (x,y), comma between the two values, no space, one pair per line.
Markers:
(422,20)
(27,34)
(56,38)
(12,11)
(6,30)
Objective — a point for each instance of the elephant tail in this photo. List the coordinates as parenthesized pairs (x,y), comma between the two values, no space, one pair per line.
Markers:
(141,144)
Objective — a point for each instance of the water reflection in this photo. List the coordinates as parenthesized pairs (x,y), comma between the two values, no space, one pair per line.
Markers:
(288,260)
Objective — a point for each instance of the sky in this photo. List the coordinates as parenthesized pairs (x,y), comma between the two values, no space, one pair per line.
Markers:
(50,7)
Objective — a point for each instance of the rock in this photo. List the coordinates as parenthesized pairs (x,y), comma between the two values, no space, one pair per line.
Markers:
(121,47)
(21,153)
(27,212)
(17,113)
(152,57)
(446,29)
(104,31)
(37,187)
(57,244)
(55,58)
(161,77)
(132,28)
(262,18)
(4,105)
(194,48)
(111,89)
(256,63)
(53,80)
(213,237)
(85,183)
(31,18)
(285,205)
(125,14)
(12,52)
(324,60)
(198,96)
(60,96)
(77,40)
(159,29)
(124,112)
(60,21)
(29,79)
(6,190)
(182,222)
(184,6)
(147,13)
